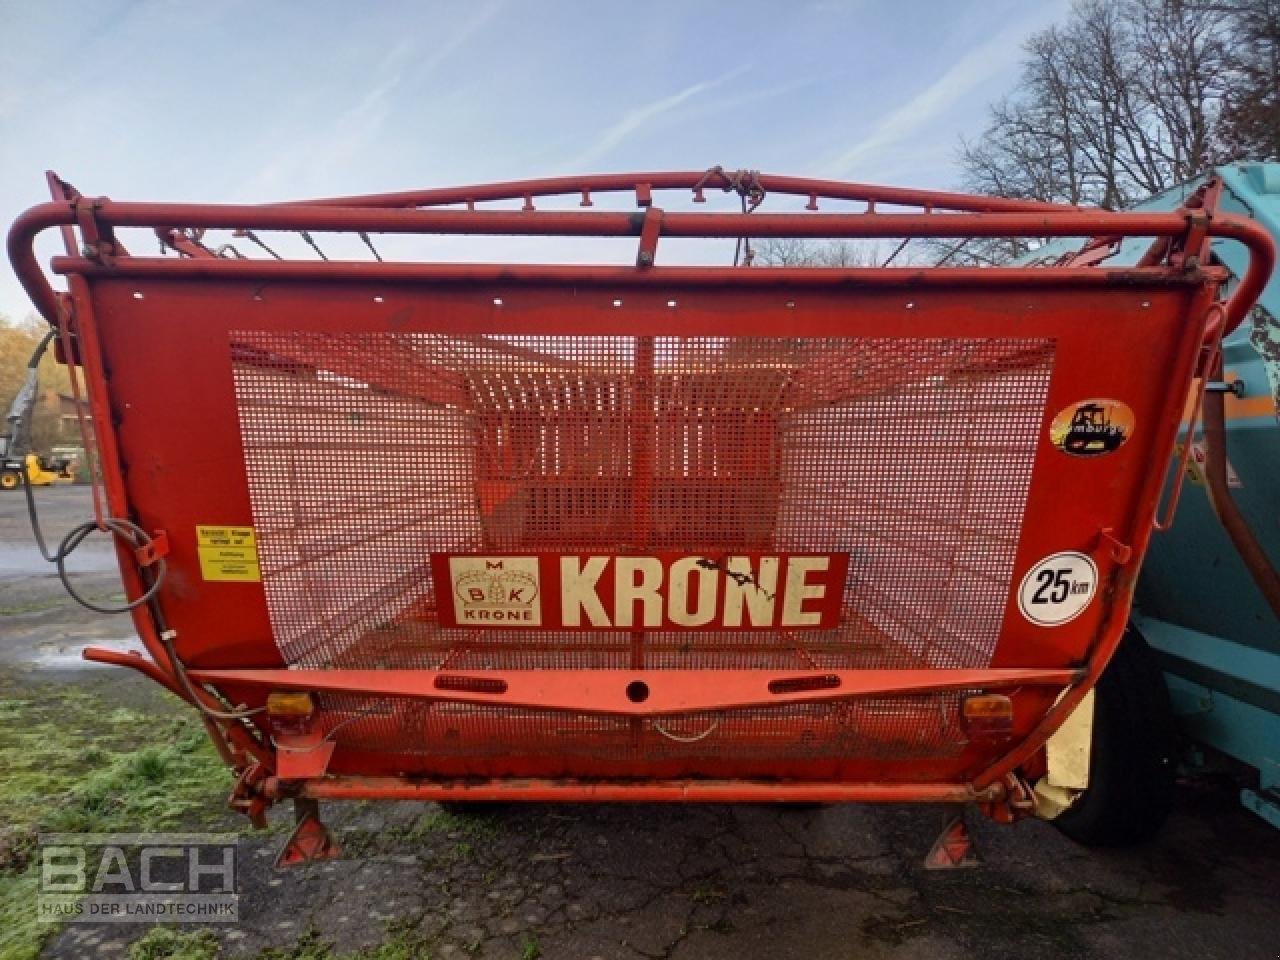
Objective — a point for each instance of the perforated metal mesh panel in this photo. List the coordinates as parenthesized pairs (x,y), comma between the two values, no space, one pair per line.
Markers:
(880,727)
(366,453)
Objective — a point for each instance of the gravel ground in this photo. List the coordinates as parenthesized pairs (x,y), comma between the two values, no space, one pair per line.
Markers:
(676,882)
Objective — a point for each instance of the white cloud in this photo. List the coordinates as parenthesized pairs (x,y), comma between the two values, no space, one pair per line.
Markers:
(309,166)
(640,116)
(975,68)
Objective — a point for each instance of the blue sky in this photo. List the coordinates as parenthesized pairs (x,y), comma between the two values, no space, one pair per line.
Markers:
(251,100)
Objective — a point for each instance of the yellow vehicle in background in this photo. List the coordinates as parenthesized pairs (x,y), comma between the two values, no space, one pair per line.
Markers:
(41,471)
(16,455)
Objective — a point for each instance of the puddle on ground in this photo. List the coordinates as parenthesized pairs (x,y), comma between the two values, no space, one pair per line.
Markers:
(24,560)
(66,654)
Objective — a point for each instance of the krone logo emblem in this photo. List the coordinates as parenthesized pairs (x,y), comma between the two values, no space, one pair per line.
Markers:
(491,590)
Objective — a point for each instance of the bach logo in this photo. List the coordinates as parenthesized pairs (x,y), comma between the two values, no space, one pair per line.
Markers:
(495,591)
(137,877)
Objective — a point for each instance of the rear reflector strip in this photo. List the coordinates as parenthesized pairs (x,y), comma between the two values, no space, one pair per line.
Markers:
(828,681)
(454,681)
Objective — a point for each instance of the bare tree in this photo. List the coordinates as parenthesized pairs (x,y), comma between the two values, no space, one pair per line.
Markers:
(1115,104)
(795,252)
(1249,127)
(18,339)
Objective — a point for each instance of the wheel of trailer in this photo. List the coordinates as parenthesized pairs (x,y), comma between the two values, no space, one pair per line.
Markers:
(10,479)
(1132,762)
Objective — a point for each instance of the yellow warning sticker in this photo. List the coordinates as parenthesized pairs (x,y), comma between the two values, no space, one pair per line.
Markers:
(228,553)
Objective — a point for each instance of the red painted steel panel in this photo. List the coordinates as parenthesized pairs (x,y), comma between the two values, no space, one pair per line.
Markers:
(916,454)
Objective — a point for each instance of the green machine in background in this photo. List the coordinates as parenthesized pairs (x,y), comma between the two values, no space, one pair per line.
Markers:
(1202,603)
(1198,605)
(1208,610)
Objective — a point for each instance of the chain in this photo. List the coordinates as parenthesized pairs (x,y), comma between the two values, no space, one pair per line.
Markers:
(751,192)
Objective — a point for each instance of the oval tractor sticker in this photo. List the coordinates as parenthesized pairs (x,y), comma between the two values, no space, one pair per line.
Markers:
(1057,589)
(1092,427)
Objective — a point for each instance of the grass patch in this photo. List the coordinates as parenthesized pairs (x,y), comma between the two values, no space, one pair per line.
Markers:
(53,603)
(74,765)
(163,943)
(707,894)
(153,788)
(476,825)
(310,946)
(468,832)
(403,943)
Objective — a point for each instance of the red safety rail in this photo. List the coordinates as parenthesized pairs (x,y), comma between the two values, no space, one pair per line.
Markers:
(568,531)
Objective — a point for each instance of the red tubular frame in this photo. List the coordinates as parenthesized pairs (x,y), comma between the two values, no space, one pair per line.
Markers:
(545,223)
(714,179)
(419,212)
(680,791)
(602,691)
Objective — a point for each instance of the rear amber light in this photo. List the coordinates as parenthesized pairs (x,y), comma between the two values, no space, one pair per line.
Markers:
(988,715)
(290,704)
(988,706)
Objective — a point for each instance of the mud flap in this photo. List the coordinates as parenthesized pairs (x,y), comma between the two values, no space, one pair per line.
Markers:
(1068,754)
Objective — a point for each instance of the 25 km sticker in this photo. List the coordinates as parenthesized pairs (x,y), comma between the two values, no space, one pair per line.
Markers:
(1058,588)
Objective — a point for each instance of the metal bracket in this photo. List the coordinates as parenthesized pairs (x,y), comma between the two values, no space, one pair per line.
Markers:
(99,241)
(302,756)
(1193,242)
(247,796)
(156,548)
(650,228)
(1121,553)
(66,348)
(1234,387)
(1015,800)
(1194,247)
